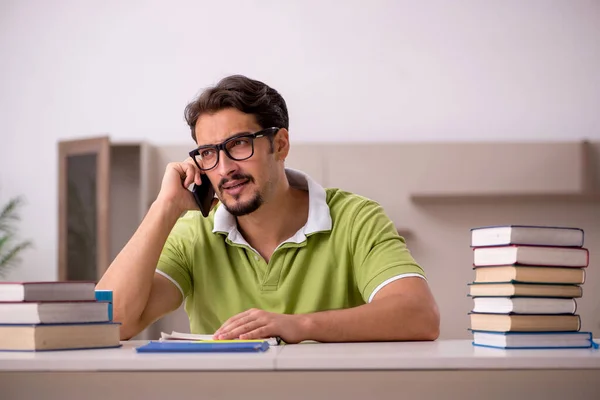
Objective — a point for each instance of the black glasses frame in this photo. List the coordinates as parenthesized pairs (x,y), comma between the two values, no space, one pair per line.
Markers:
(223,146)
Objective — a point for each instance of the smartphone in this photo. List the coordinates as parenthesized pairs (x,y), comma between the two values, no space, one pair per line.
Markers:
(204,195)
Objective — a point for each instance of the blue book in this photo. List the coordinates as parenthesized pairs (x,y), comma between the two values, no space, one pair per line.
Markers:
(106,295)
(203,347)
(533,340)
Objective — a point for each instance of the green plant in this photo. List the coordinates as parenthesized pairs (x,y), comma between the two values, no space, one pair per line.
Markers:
(10,247)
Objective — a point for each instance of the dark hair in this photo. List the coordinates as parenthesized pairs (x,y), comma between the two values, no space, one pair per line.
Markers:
(247,95)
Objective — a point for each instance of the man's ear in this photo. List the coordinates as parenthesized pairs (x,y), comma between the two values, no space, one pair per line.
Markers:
(281,144)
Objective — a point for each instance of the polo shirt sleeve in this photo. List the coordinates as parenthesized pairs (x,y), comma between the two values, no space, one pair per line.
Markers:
(380,254)
(176,256)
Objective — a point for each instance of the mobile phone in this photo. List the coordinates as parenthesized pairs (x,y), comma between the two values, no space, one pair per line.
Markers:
(204,195)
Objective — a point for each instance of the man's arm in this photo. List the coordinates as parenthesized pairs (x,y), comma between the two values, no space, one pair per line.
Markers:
(402,310)
(140,295)
(133,280)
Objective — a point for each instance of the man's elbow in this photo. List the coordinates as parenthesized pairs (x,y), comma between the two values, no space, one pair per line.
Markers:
(125,335)
(430,323)
(128,328)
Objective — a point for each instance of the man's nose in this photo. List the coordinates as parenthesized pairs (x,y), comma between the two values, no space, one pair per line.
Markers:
(226,165)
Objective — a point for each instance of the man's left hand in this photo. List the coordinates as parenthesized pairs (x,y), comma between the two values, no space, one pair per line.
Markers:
(259,324)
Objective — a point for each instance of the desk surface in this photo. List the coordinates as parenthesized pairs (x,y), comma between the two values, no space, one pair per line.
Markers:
(438,355)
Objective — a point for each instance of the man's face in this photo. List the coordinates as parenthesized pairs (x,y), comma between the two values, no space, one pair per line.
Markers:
(242,186)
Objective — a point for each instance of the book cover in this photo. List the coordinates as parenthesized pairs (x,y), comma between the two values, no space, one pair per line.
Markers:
(529,274)
(36,337)
(54,312)
(525,322)
(203,347)
(533,340)
(47,291)
(547,256)
(530,289)
(497,235)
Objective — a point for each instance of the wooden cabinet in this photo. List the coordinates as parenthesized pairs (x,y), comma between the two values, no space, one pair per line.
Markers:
(102,197)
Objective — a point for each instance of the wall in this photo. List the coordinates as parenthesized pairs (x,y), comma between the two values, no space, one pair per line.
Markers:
(349,70)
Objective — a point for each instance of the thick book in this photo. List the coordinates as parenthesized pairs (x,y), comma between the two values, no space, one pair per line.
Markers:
(534,340)
(577,257)
(510,289)
(527,234)
(47,291)
(204,347)
(529,274)
(193,337)
(524,323)
(523,305)
(41,337)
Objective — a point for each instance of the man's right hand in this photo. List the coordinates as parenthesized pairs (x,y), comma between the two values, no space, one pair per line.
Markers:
(173,191)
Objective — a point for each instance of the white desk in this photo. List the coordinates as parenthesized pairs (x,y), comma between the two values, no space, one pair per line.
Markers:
(441,369)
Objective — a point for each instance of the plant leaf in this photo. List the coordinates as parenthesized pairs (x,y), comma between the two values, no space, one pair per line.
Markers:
(8,252)
(9,215)
(10,257)
(4,242)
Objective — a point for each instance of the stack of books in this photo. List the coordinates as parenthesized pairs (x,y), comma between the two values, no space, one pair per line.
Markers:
(37,316)
(527,280)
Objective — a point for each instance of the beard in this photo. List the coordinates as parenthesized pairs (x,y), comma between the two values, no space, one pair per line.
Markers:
(245,208)
(239,209)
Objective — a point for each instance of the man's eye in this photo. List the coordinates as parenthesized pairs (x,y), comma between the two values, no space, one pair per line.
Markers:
(207,153)
(241,142)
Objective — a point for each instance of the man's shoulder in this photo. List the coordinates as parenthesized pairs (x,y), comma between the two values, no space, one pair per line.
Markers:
(338,197)
(345,204)
(192,224)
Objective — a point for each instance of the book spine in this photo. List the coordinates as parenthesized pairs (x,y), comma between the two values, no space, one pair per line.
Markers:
(107,296)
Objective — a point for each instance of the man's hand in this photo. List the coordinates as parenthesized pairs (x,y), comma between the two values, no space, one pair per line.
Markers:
(259,324)
(173,191)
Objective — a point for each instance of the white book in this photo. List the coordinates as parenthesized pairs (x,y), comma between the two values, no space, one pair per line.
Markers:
(525,340)
(531,255)
(47,291)
(54,313)
(528,235)
(523,305)
(186,337)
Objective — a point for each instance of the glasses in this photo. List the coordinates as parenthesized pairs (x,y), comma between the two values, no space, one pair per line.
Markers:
(238,148)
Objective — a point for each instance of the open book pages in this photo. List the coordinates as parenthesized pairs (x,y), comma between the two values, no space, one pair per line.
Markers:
(186,337)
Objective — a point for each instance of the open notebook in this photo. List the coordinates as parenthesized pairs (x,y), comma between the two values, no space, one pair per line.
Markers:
(187,337)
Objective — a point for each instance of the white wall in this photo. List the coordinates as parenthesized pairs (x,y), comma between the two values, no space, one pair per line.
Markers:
(349,70)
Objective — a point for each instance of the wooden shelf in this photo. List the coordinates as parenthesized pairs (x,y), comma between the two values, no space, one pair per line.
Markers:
(508,171)
(461,198)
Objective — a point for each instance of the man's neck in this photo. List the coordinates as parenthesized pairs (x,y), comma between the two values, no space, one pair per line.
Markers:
(275,221)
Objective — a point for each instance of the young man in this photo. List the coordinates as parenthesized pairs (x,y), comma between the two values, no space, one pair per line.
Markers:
(278,255)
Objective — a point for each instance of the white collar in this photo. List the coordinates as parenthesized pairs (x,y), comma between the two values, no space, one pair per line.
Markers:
(319,218)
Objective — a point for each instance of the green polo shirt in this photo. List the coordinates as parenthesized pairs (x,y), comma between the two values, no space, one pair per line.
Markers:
(347,251)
